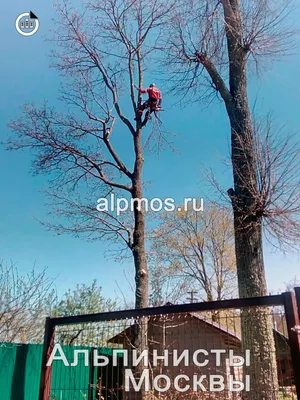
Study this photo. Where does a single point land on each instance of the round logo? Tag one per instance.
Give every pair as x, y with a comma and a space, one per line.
27, 24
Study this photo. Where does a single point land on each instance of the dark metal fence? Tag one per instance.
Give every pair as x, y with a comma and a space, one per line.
105, 346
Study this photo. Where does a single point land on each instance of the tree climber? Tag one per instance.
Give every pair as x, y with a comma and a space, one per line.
154, 101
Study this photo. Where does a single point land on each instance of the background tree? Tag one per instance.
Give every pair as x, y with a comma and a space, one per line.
85, 299
164, 287
82, 300
295, 282
278, 313
211, 45
26, 300
194, 250
101, 52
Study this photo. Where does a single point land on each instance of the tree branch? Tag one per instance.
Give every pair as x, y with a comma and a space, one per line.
216, 78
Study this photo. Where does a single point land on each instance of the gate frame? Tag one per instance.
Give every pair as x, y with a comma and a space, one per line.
289, 300
46, 373
292, 315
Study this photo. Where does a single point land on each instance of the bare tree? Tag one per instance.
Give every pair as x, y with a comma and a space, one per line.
25, 301
193, 249
166, 287
211, 46
278, 197
278, 311
290, 286
102, 53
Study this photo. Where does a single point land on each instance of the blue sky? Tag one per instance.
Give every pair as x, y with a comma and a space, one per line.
203, 138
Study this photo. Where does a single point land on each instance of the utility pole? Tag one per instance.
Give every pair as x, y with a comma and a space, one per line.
192, 298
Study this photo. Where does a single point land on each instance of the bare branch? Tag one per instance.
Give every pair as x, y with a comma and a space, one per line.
197, 249
25, 301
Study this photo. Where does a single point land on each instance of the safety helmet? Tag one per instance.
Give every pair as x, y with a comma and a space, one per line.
151, 85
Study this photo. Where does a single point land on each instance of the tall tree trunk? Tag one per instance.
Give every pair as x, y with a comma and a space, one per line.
140, 261
257, 330
139, 251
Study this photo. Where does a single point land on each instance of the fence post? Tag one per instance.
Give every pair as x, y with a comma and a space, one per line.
91, 374
292, 319
45, 383
297, 291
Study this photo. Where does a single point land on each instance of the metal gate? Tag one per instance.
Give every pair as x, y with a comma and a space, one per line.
113, 352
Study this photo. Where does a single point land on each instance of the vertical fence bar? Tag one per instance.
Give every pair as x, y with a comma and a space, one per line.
297, 291
91, 389
46, 373
292, 319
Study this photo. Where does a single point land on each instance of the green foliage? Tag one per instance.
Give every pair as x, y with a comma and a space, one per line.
283, 396
83, 300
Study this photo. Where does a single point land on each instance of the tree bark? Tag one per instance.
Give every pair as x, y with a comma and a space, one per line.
139, 251
140, 261
257, 330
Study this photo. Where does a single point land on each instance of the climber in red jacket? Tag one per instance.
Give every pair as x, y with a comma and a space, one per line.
154, 100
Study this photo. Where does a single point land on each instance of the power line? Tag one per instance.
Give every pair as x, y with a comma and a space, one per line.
192, 299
